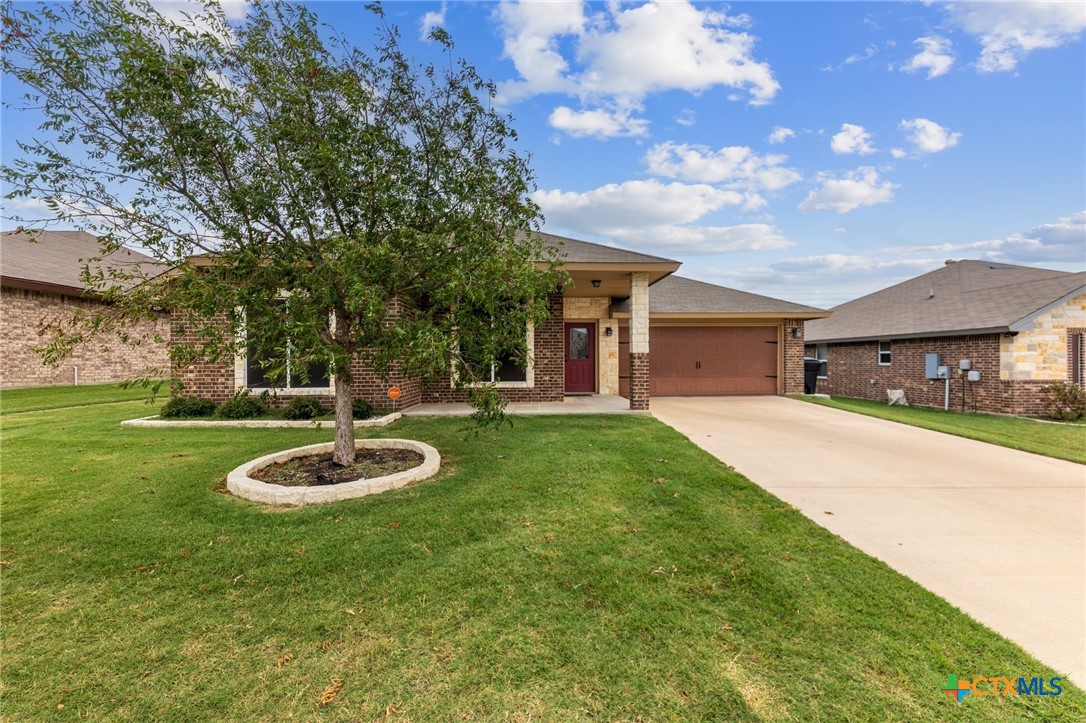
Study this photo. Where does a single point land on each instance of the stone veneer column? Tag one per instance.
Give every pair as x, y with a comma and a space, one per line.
639, 340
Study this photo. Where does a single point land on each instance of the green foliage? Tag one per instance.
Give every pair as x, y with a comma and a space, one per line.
242, 405
1064, 400
361, 409
382, 193
489, 407
303, 408
187, 407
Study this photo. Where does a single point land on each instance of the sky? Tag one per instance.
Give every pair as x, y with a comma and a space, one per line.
808, 151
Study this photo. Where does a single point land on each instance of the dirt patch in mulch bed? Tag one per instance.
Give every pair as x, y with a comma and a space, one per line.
321, 470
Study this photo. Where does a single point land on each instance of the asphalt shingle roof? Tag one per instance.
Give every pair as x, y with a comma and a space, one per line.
585, 252
679, 295
960, 297
57, 258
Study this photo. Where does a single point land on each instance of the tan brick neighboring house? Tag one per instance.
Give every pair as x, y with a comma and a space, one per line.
625, 326
1019, 328
40, 282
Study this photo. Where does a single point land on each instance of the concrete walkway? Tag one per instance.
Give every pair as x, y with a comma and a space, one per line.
1001, 534
587, 404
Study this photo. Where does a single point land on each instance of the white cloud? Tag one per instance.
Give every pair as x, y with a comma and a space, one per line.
928, 136
935, 56
432, 19
620, 54
869, 52
852, 139
1060, 242
735, 166
780, 134
855, 189
898, 153
686, 117
1010, 31
597, 123
655, 215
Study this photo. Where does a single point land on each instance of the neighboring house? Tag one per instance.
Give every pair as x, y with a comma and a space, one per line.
41, 283
624, 326
1019, 328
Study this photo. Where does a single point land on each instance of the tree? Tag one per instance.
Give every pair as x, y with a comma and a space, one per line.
270, 159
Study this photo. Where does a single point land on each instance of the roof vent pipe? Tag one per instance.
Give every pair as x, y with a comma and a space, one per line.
931, 293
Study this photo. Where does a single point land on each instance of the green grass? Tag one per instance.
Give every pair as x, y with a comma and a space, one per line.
568, 568
13, 401
1062, 441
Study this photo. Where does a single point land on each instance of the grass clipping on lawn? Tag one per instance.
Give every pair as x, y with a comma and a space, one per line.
568, 568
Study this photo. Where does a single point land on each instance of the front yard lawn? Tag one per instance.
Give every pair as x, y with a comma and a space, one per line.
13, 401
568, 568
1062, 441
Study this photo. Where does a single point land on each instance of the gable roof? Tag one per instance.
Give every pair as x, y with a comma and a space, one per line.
962, 297
54, 260
680, 296
586, 252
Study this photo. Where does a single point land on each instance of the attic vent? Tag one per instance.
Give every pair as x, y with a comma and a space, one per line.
931, 293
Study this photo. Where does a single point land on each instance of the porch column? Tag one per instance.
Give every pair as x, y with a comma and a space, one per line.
639, 340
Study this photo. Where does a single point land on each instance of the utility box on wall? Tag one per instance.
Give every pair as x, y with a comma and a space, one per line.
931, 366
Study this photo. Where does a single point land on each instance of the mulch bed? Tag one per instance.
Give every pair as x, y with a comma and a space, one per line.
321, 470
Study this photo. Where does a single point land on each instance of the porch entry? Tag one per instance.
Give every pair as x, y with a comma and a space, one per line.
580, 358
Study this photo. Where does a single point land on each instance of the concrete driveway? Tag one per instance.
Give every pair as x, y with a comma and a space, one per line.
1000, 534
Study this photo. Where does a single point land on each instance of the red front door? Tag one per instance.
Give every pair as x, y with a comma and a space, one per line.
580, 358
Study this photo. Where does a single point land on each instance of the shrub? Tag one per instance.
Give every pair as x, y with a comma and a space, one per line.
361, 409
243, 405
186, 407
302, 408
1064, 400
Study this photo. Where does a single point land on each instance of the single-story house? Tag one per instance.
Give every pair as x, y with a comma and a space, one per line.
1017, 328
41, 283
624, 326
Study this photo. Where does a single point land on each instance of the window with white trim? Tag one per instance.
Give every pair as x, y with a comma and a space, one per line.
884, 353
258, 362
822, 353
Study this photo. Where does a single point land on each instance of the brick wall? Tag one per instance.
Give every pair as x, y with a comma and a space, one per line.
792, 358
639, 381
549, 368
21, 313
852, 367
202, 379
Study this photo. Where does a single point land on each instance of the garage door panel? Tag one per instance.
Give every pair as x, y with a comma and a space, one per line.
733, 361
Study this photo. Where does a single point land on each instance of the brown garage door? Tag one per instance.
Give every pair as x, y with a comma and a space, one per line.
712, 360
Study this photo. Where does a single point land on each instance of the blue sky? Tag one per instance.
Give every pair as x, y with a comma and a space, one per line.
810, 151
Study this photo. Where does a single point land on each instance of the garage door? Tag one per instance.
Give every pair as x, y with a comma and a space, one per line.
712, 360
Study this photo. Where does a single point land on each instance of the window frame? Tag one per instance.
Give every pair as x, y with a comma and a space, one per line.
888, 352
822, 354
241, 366
529, 370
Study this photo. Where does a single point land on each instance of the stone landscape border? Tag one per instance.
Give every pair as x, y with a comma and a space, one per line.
241, 484
157, 421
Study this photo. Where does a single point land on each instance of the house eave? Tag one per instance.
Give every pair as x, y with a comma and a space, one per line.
1026, 322
919, 335
774, 316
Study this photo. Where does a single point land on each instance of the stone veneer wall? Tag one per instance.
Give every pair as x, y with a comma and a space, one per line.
599, 311
1041, 353
549, 368
23, 310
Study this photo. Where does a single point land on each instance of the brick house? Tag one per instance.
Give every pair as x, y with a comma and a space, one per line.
40, 282
1018, 328
624, 326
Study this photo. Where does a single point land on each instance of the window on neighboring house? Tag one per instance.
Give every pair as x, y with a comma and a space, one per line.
884, 353
822, 353
259, 362
1077, 357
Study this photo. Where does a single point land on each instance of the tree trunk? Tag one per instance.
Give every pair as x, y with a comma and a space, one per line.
344, 450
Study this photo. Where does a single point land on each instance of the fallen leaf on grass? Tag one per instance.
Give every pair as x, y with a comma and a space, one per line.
146, 568
725, 627
74, 469
8, 549
659, 480
235, 580
351, 612
393, 525
331, 691
5, 563
287, 657
181, 454
184, 553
